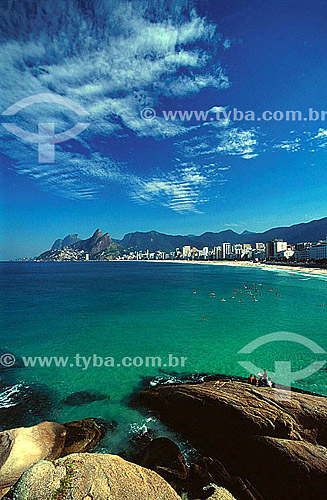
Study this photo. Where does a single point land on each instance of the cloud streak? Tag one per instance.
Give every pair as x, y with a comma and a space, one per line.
113, 58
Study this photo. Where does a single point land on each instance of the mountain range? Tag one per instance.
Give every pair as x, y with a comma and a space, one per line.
103, 244
152, 240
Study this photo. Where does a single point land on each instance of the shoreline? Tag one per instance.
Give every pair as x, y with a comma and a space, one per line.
310, 271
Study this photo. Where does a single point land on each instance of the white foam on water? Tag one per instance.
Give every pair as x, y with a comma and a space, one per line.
6, 397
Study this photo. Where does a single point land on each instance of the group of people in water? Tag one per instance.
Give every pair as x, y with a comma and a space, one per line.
260, 380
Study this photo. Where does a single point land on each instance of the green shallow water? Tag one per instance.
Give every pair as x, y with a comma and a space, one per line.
149, 309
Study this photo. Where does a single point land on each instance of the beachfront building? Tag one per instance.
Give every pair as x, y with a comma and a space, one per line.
279, 246
217, 253
238, 251
205, 252
318, 252
270, 250
186, 252
275, 248
226, 250
259, 255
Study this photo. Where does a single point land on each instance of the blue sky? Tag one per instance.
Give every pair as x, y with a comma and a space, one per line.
124, 173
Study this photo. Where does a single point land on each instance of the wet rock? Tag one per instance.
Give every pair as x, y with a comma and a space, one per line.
83, 398
164, 457
81, 436
212, 414
140, 440
105, 426
271, 447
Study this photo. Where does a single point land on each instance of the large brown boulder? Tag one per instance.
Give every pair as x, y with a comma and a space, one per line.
92, 476
210, 471
276, 445
213, 413
164, 457
21, 448
81, 436
283, 468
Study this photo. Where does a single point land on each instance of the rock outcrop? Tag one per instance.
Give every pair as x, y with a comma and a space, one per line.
21, 448
164, 457
221, 494
92, 476
279, 445
81, 398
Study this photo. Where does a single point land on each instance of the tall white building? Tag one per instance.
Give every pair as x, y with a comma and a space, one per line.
238, 250
280, 246
205, 251
226, 250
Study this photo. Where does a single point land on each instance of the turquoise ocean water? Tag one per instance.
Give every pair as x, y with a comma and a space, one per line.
145, 309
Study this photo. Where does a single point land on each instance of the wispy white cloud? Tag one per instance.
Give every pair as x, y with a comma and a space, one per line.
226, 142
113, 61
113, 58
182, 190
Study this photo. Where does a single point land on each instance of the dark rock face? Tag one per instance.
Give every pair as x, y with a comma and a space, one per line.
213, 413
57, 244
87, 245
210, 471
140, 440
81, 436
286, 468
68, 240
101, 244
164, 457
278, 445
83, 397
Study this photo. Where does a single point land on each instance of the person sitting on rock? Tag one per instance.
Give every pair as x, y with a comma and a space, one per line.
250, 379
255, 381
269, 382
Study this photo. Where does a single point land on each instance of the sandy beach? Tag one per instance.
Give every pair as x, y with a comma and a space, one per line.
309, 271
